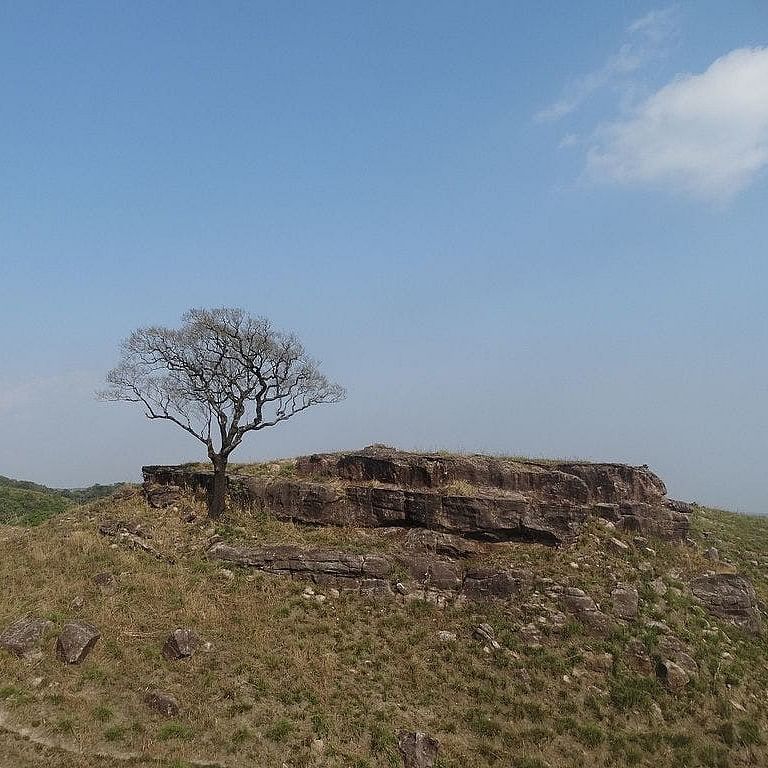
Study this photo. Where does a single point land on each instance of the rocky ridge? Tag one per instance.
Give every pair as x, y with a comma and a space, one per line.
478, 497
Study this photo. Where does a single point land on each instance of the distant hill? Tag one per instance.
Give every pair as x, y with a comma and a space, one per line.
23, 502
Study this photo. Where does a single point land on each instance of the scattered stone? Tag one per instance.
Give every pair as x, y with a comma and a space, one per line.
181, 644
77, 603
226, 574
625, 601
712, 554
162, 702
656, 712
333, 592
418, 750
23, 636
530, 635
659, 587
485, 633
673, 675
658, 625
729, 596
645, 567
76, 641
617, 545
446, 637
131, 535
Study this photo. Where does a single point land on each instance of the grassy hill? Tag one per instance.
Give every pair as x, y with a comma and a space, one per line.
292, 680
26, 503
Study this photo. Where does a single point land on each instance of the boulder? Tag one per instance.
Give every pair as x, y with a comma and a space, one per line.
162, 702
673, 675
76, 641
24, 636
181, 644
417, 749
729, 596
625, 601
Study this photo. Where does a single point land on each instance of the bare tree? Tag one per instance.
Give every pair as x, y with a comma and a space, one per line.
220, 375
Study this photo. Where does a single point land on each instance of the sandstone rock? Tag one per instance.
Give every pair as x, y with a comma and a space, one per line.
501, 499
673, 675
181, 644
659, 587
485, 583
625, 601
437, 543
162, 702
162, 496
76, 641
617, 545
586, 610
24, 636
712, 554
729, 596
679, 506
485, 633
446, 637
417, 749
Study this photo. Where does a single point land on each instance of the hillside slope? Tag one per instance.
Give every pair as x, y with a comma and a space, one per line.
303, 661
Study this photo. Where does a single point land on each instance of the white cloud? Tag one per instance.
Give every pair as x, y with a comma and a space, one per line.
703, 134
647, 38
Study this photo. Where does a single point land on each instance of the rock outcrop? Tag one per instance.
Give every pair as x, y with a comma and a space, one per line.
379, 575
729, 596
478, 497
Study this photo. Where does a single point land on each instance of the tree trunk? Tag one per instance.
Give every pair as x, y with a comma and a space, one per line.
218, 501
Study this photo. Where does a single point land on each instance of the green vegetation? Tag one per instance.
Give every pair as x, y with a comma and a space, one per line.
26, 503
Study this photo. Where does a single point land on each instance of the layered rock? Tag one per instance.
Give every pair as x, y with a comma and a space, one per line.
374, 574
729, 596
480, 497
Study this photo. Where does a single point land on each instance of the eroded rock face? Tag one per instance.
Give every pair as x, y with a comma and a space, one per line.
480, 497
369, 573
24, 636
729, 596
417, 749
76, 641
429, 578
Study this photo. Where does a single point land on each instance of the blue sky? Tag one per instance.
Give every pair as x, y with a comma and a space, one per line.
512, 227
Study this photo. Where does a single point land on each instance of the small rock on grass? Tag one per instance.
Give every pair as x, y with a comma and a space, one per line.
417, 749
162, 702
181, 644
23, 636
76, 641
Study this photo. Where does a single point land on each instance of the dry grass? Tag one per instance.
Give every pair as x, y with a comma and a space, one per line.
285, 671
